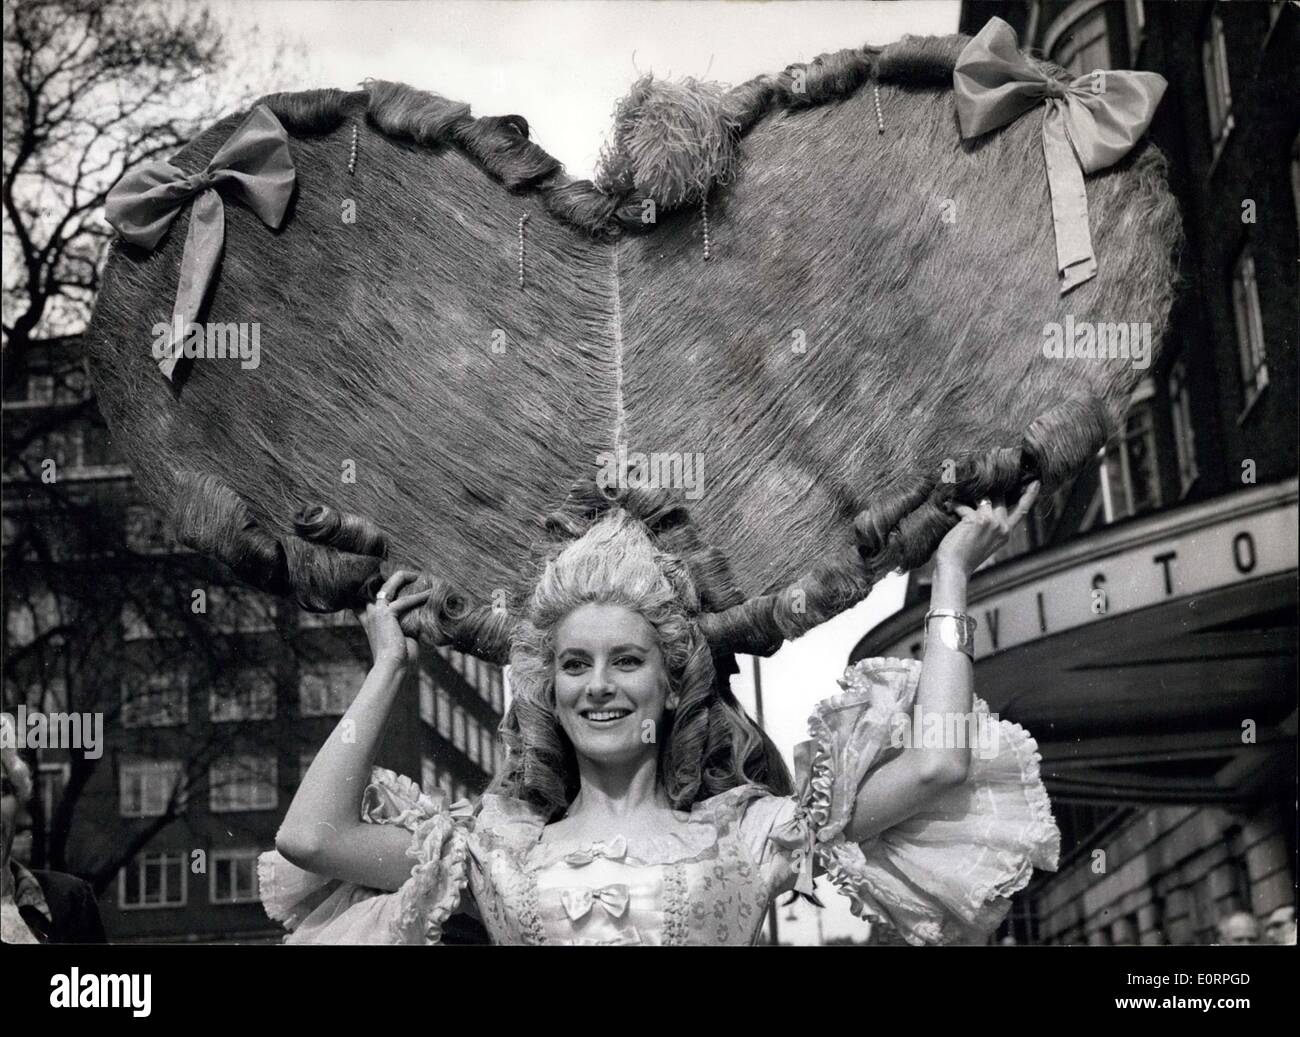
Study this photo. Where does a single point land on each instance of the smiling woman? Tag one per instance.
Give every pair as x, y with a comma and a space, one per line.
638, 803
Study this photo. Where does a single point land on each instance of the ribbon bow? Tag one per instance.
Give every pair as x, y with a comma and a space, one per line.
578, 902
253, 164
1090, 123
615, 850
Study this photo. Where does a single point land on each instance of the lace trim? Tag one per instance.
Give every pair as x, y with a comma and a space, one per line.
433, 892
676, 906
530, 919
817, 802
1042, 836
514, 824
690, 843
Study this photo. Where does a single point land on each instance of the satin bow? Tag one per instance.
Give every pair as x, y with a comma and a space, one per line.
253, 164
578, 902
1089, 123
615, 850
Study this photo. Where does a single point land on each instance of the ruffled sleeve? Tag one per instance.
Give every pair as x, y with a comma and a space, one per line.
945, 874
320, 910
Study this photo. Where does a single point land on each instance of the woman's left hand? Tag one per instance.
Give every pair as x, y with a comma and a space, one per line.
982, 531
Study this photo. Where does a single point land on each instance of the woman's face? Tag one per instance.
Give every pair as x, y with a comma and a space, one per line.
611, 687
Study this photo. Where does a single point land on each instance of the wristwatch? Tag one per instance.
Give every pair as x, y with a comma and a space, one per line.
954, 629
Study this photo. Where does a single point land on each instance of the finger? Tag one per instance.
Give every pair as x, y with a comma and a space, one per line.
407, 601
963, 510
396, 581
1026, 501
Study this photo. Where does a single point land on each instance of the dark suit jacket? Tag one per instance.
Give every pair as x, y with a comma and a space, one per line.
74, 911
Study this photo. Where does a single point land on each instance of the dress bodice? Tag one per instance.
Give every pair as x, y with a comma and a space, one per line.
708, 880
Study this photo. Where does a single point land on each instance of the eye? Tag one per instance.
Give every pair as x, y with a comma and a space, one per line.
573, 665
628, 662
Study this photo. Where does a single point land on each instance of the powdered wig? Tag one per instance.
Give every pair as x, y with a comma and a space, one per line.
15, 769
706, 745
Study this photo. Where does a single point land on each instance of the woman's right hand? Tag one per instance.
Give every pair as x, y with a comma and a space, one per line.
381, 621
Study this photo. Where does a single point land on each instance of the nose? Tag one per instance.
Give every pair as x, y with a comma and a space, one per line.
599, 685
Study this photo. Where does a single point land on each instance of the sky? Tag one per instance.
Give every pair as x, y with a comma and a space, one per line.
563, 65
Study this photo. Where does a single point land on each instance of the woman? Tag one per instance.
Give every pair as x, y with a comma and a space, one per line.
639, 804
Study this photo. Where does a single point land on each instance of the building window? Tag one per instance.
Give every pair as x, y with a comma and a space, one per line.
152, 880
1218, 91
234, 876
304, 762
252, 697
328, 690
1085, 48
496, 682
428, 775
238, 610
471, 739
444, 713
458, 661
1250, 329
145, 788
161, 700
1130, 478
488, 744
428, 698
1180, 406
27, 620
458, 727
242, 783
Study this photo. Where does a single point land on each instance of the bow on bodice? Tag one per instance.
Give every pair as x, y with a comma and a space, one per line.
253, 165
1089, 123
614, 849
579, 902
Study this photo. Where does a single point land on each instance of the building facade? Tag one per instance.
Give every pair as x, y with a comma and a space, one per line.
213, 698
1142, 623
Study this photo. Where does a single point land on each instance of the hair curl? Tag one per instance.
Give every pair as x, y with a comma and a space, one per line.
708, 743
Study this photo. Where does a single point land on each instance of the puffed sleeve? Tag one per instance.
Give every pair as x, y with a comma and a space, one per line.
945, 874
320, 910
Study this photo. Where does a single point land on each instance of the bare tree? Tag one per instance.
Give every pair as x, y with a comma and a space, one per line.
93, 88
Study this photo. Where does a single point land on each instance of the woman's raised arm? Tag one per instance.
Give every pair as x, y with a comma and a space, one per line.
901, 787
322, 830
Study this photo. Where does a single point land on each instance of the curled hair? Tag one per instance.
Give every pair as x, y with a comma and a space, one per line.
708, 744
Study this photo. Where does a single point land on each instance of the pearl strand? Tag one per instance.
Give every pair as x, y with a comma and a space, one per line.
522, 220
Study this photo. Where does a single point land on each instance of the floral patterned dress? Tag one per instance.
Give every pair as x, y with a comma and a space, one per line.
941, 876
